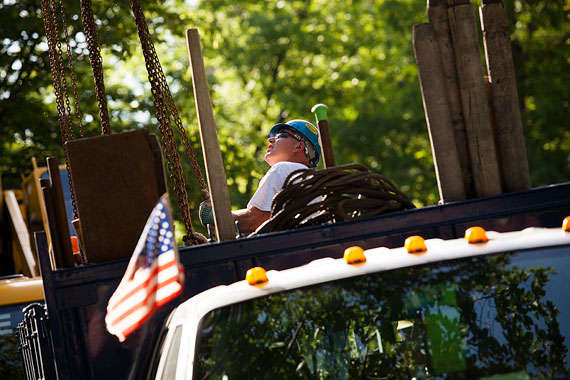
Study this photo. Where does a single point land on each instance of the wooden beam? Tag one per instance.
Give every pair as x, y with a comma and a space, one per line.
60, 213
483, 156
439, 19
21, 231
52, 230
215, 172
438, 118
504, 95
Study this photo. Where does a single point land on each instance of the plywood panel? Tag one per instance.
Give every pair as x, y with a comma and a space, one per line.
117, 181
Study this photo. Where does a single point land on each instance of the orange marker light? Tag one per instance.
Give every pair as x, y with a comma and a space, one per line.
476, 235
256, 276
415, 244
75, 249
74, 244
566, 224
354, 255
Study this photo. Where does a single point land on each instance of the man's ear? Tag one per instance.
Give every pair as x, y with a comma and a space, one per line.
300, 147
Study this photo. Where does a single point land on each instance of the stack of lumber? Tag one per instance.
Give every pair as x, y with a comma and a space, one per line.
473, 120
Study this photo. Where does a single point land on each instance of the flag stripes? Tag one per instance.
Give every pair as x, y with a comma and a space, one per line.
153, 277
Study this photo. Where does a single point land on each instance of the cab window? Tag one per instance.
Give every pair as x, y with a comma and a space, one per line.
499, 315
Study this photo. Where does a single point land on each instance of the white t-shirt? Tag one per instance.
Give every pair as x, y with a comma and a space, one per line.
272, 183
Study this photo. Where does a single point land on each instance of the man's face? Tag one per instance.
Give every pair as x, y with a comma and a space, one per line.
281, 147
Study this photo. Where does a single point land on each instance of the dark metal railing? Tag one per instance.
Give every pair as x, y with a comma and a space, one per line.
35, 344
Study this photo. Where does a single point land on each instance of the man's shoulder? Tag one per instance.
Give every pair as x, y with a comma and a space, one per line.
287, 166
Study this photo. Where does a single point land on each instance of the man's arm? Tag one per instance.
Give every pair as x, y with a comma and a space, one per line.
250, 218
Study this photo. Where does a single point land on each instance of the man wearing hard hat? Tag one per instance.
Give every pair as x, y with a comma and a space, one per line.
293, 145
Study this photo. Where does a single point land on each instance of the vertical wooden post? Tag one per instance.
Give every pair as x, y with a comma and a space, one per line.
438, 118
439, 19
489, 90
480, 140
320, 111
55, 251
21, 230
215, 173
60, 213
504, 95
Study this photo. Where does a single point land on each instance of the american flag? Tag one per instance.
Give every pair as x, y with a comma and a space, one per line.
153, 276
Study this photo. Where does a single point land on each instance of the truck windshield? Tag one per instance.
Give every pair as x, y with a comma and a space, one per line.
501, 316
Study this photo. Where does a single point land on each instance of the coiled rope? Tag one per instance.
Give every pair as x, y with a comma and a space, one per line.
348, 192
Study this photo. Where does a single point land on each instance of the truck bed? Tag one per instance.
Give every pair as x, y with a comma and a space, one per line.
77, 298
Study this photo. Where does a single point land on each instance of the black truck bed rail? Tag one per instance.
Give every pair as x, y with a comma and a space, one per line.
77, 298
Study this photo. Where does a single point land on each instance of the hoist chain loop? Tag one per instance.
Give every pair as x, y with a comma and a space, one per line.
96, 64
165, 108
163, 101
159, 80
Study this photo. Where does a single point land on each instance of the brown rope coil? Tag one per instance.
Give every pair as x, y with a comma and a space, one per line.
348, 192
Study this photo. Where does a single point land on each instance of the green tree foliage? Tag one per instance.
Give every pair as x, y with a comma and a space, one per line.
541, 47
271, 61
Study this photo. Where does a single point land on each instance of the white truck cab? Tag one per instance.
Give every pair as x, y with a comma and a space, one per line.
494, 307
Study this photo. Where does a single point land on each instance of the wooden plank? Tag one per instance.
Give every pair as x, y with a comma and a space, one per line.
489, 92
21, 231
60, 213
320, 111
484, 163
215, 172
505, 100
439, 19
52, 229
438, 118
118, 179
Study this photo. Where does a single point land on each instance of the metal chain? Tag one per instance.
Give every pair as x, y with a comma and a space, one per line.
59, 83
164, 109
182, 133
96, 64
49, 20
162, 83
71, 73
162, 97
67, 114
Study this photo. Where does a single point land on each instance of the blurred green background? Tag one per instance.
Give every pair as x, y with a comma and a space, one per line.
269, 61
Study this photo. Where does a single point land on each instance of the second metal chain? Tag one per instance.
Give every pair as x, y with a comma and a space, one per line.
165, 108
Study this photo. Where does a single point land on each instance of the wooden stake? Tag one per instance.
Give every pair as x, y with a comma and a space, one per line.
60, 213
480, 140
320, 111
56, 261
438, 118
215, 173
21, 229
439, 19
489, 92
510, 136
